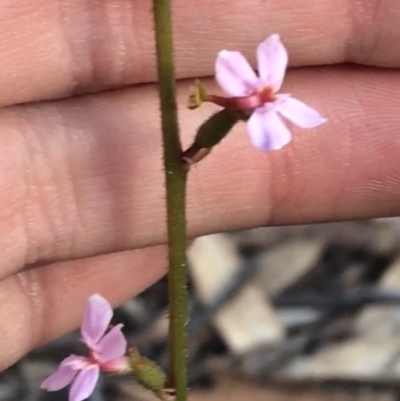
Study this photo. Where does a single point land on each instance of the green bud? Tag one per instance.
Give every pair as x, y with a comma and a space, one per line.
147, 373
213, 130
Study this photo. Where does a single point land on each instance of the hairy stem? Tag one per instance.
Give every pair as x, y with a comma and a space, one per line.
175, 176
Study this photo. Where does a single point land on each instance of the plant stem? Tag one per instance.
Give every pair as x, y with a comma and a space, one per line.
175, 176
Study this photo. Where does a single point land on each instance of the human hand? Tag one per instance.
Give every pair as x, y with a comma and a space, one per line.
81, 178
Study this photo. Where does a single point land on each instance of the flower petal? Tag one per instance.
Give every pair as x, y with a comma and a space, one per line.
234, 74
267, 131
64, 375
113, 345
96, 318
300, 114
115, 365
84, 383
272, 59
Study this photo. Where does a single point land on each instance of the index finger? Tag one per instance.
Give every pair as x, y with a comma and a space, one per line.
54, 49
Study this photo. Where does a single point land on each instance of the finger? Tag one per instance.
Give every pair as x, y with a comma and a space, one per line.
84, 176
55, 49
42, 304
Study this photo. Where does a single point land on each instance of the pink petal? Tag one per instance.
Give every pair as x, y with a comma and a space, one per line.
84, 383
234, 74
267, 131
65, 373
272, 59
115, 365
96, 318
300, 114
112, 346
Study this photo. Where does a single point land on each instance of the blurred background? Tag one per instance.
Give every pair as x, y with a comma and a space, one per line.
280, 313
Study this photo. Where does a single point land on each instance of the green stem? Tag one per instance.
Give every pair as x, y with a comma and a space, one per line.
175, 176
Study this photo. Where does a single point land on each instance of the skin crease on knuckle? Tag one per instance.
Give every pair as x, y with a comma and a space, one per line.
89, 191
84, 46
95, 193
374, 28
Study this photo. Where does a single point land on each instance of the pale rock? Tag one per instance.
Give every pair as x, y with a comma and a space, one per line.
246, 322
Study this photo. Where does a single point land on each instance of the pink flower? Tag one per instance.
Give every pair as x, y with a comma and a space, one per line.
259, 94
106, 353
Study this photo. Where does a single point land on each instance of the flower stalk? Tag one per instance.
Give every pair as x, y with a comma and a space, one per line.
175, 178
253, 99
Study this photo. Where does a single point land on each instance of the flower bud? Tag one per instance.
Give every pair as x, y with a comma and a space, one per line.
147, 373
210, 133
213, 130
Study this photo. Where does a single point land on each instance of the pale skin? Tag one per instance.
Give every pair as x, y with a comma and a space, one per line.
81, 178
